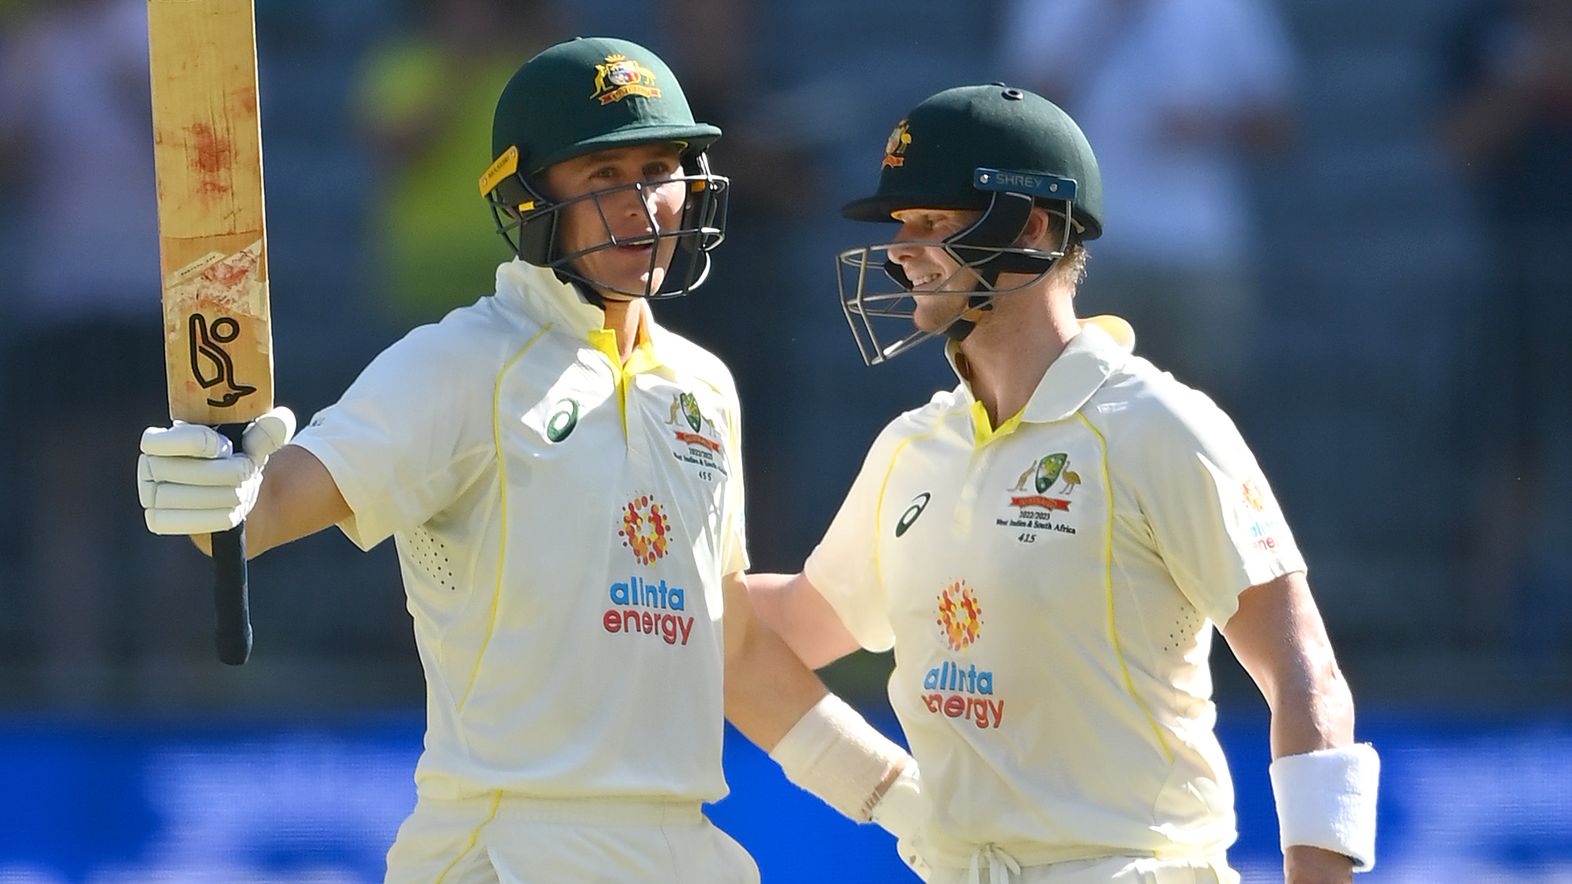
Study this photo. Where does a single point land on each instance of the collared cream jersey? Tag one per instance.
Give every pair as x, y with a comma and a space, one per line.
563, 524
1050, 589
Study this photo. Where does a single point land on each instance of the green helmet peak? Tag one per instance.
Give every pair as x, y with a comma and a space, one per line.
933, 157
589, 94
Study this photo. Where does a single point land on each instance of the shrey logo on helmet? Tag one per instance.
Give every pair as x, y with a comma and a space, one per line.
620, 77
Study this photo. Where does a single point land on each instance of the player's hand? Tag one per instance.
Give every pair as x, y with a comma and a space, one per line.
899, 812
191, 481
1312, 865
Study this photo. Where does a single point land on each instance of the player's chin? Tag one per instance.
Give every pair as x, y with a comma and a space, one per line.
935, 313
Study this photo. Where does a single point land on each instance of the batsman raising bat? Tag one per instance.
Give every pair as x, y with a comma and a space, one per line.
207, 150
563, 479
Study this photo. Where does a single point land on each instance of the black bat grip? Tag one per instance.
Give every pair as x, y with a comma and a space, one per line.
233, 635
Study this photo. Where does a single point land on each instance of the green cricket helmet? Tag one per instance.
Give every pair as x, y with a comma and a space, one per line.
592, 94
993, 149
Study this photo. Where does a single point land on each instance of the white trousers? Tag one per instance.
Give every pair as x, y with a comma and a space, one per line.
499, 839
995, 868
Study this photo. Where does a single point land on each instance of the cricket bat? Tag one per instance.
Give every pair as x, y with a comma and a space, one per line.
207, 151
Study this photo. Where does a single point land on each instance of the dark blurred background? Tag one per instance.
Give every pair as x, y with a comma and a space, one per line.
1350, 221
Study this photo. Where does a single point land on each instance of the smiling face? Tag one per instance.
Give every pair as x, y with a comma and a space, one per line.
930, 267
615, 203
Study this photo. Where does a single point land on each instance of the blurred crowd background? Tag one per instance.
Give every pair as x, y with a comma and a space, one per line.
1350, 221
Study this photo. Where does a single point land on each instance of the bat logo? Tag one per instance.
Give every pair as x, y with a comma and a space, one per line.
205, 348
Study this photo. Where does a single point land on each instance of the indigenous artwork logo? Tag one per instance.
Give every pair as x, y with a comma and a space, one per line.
1253, 498
620, 77
645, 529
698, 435
1043, 488
895, 147
960, 616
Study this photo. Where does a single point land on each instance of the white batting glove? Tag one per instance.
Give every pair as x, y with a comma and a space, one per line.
899, 812
191, 481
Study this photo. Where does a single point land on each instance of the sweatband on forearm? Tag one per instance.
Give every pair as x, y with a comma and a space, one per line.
1327, 799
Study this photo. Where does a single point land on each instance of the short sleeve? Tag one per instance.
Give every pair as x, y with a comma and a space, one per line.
396, 443
844, 567
734, 542
1212, 514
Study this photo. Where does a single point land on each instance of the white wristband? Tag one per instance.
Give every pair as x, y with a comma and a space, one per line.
835, 754
1327, 799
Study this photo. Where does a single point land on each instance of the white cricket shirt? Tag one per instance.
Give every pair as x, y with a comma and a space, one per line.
563, 523
1050, 588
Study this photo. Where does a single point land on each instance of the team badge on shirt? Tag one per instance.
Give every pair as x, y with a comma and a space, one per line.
950, 689
1044, 488
700, 441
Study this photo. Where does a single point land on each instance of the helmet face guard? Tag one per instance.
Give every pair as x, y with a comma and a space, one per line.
880, 307
530, 222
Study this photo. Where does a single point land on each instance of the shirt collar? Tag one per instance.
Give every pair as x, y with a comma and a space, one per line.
1087, 361
544, 297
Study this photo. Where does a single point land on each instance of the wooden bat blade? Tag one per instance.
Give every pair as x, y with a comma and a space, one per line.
207, 151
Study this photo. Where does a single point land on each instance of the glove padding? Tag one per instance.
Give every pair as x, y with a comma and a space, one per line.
899, 812
191, 481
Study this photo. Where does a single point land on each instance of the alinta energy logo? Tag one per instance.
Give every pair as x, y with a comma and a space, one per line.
1265, 522
949, 689
647, 606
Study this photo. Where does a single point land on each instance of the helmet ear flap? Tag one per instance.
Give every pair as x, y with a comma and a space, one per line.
526, 219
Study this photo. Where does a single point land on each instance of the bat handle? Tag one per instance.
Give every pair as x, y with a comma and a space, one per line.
233, 635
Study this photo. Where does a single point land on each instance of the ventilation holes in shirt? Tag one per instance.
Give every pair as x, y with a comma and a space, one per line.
431, 555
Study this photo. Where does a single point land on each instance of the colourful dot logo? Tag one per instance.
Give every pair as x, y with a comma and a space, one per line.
960, 616
1253, 497
645, 529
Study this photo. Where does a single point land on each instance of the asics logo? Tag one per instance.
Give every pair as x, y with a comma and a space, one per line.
563, 420
919, 503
